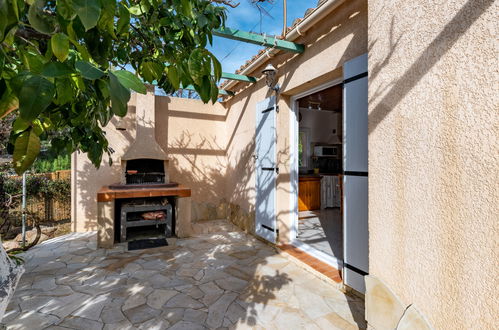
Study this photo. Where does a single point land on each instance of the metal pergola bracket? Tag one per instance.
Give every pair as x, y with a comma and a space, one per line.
239, 77
258, 39
220, 91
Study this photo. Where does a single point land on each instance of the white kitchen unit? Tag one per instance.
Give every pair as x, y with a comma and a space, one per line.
330, 191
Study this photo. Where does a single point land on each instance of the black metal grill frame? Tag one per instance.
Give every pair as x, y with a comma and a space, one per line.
141, 178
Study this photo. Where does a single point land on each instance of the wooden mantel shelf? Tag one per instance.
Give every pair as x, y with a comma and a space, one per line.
105, 194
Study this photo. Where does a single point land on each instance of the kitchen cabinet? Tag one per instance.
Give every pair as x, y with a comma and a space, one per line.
309, 193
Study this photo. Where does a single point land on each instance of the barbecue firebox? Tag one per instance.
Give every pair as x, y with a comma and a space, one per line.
140, 171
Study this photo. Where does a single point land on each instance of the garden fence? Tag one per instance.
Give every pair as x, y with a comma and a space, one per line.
47, 208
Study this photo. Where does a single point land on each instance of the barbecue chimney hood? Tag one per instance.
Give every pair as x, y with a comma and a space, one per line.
144, 147
145, 144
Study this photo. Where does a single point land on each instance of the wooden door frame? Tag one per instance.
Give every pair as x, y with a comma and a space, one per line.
294, 176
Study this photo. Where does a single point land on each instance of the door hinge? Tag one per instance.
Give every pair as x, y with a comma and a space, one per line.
276, 169
274, 107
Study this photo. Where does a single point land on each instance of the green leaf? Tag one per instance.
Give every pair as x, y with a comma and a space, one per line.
56, 69
60, 46
139, 9
19, 125
106, 21
204, 90
33, 62
95, 154
119, 96
173, 77
88, 11
37, 127
72, 34
15, 9
78, 82
214, 93
26, 148
202, 21
85, 55
199, 65
103, 88
187, 8
151, 71
131, 81
17, 82
65, 9
38, 19
9, 37
35, 96
217, 67
88, 71
64, 91
9, 15
124, 20
8, 102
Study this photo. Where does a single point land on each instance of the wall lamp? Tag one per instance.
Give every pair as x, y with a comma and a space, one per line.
270, 77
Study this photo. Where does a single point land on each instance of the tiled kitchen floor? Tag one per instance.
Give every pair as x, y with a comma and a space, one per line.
322, 230
214, 280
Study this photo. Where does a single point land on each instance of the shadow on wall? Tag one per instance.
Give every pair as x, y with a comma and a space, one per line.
208, 176
189, 167
395, 91
89, 180
87, 200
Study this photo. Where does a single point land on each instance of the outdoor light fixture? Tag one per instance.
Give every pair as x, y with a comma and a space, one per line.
270, 77
120, 125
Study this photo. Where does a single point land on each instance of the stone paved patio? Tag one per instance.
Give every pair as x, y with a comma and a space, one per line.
214, 280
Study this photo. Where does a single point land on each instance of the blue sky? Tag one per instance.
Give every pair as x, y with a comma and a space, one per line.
232, 54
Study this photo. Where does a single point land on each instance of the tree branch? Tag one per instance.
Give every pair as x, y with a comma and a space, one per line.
28, 33
227, 3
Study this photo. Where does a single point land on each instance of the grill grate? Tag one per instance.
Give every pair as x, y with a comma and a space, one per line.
141, 178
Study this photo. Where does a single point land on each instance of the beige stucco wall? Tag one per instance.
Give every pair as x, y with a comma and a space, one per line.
340, 36
192, 134
434, 157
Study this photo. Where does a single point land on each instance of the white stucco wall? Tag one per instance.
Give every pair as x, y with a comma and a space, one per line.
434, 157
191, 133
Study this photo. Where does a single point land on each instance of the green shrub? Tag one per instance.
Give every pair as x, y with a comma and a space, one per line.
39, 187
48, 163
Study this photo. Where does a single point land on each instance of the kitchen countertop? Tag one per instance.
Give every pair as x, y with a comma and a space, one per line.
320, 175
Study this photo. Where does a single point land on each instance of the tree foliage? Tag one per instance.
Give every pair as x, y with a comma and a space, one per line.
63, 65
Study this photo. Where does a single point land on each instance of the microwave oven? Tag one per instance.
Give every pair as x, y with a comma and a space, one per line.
326, 151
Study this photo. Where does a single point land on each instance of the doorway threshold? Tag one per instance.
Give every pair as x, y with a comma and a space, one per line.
319, 261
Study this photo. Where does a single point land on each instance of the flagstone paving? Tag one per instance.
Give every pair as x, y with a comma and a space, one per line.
214, 280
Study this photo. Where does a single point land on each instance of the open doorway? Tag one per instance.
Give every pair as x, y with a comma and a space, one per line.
318, 229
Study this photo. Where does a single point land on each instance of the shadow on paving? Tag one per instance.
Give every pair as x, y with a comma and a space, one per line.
216, 280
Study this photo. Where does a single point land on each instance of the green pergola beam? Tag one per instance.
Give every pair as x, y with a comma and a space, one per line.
258, 39
239, 77
220, 91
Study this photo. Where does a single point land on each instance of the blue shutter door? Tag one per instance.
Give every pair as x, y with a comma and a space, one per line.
355, 184
266, 172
